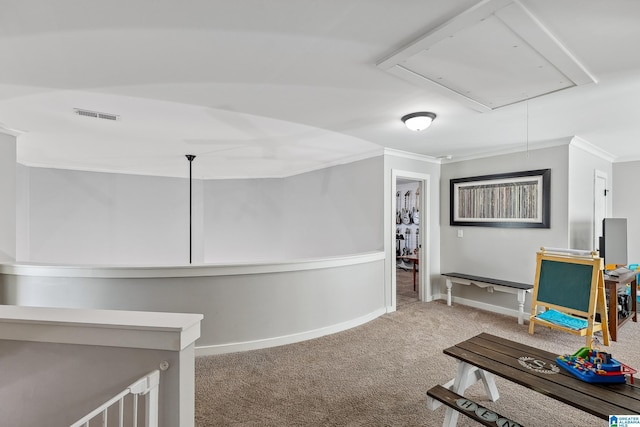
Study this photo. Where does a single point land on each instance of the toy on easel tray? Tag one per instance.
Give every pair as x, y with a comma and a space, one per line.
595, 366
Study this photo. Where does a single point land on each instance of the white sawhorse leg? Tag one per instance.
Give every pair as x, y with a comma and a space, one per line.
467, 376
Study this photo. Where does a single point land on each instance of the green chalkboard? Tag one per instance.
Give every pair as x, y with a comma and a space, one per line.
565, 284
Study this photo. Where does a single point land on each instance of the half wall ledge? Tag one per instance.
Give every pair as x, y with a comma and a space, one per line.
245, 305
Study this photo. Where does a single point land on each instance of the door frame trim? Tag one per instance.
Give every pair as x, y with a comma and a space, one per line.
424, 282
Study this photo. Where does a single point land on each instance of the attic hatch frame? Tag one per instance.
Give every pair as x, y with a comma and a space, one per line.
412, 62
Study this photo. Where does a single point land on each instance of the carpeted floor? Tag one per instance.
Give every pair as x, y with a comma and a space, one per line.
404, 288
377, 374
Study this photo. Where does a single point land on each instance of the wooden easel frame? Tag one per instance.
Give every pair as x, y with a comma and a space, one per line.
597, 299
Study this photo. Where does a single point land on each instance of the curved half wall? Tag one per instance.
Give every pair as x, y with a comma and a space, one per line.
245, 306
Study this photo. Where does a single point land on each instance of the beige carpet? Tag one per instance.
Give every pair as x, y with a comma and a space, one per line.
377, 374
404, 288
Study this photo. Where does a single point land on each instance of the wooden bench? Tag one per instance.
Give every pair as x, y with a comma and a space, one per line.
520, 289
486, 356
469, 408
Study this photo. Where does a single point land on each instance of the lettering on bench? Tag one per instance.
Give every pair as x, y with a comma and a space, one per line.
503, 422
484, 413
539, 366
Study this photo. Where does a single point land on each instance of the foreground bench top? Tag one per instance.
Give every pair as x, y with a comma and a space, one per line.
485, 355
491, 281
520, 289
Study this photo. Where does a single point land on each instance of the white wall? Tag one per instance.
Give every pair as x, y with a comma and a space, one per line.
503, 253
244, 305
7, 197
88, 217
245, 220
626, 204
329, 212
335, 211
582, 167
75, 217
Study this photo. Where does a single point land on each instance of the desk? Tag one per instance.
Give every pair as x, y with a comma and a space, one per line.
414, 261
612, 284
485, 355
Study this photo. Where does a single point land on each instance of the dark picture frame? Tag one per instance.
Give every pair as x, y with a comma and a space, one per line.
515, 200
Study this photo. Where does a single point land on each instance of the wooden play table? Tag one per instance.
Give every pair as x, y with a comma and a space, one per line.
483, 356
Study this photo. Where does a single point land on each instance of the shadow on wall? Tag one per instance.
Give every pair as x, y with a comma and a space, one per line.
582, 236
5, 258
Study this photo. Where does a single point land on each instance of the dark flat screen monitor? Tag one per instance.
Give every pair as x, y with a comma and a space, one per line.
613, 243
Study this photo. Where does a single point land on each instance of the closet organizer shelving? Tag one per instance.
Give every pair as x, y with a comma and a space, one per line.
408, 218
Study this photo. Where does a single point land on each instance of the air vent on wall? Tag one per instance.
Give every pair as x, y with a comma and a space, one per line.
96, 115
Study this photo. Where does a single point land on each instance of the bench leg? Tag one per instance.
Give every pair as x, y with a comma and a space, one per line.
489, 382
449, 285
521, 295
460, 385
466, 376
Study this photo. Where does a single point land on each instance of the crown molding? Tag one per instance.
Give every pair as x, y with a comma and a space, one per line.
342, 161
514, 149
411, 156
584, 145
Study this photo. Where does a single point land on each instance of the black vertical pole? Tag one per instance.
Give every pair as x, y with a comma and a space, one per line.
190, 157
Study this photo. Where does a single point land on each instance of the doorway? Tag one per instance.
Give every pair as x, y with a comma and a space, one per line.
408, 245
408, 260
599, 205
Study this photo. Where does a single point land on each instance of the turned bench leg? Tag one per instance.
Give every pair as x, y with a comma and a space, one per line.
521, 295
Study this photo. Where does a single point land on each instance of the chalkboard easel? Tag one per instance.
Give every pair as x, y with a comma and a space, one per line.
571, 282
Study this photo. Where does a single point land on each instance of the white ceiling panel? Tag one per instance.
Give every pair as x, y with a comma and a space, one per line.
492, 55
271, 89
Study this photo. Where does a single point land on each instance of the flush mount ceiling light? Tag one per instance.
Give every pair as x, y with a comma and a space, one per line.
418, 121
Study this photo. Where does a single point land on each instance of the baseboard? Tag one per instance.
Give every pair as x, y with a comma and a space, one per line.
482, 306
317, 333
287, 339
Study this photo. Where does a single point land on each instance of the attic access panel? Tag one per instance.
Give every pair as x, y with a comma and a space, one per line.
492, 55
500, 70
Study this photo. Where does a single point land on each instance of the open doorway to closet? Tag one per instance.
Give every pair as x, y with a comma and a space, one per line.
407, 233
410, 234
599, 206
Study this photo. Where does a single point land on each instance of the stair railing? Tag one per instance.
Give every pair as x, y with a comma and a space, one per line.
147, 385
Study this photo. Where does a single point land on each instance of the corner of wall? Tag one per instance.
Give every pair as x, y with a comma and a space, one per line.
8, 195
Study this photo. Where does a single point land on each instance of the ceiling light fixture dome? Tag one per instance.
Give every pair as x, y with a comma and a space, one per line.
418, 121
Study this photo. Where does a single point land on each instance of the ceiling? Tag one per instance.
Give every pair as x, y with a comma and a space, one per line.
270, 89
